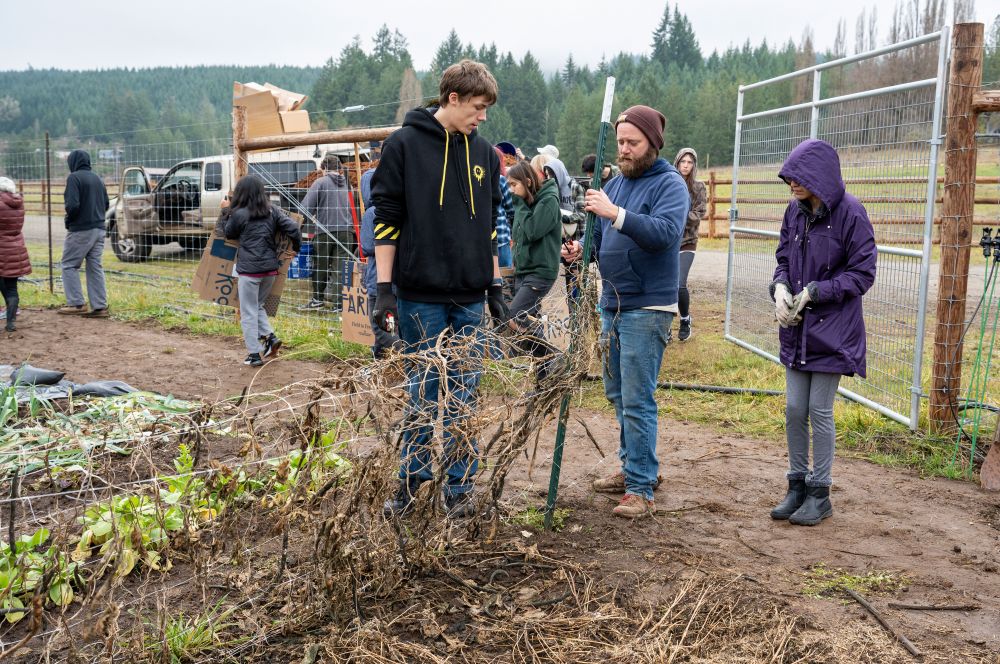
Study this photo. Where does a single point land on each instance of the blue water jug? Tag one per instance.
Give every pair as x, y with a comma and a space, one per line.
301, 266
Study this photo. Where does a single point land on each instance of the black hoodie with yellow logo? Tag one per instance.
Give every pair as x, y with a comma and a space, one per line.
436, 197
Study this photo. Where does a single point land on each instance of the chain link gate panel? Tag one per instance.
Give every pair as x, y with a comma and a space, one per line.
885, 122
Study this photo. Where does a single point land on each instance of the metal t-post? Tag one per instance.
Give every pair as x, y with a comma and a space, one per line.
574, 321
48, 197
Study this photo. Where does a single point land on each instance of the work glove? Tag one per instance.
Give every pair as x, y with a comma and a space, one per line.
494, 300
783, 304
385, 308
802, 300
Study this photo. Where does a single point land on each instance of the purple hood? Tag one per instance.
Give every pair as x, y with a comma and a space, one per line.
816, 166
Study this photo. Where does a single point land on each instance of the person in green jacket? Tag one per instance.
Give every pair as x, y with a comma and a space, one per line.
537, 235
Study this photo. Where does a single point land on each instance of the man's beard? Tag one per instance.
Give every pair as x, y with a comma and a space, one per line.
633, 168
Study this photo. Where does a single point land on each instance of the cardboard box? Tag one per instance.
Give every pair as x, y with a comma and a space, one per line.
271, 110
293, 122
215, 279
355, 324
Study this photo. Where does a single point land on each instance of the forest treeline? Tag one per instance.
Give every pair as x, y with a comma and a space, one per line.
374, 85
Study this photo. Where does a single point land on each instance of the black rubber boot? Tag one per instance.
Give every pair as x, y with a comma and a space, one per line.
816, 507
793, 500
12, 303
401, 504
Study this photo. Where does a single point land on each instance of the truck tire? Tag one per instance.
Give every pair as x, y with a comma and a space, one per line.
129, 249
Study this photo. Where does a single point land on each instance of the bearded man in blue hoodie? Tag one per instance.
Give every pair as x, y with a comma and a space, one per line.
436, 192
641, 216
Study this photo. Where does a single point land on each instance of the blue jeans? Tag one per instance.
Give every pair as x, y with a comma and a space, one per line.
504, 255
420, 323
633, 343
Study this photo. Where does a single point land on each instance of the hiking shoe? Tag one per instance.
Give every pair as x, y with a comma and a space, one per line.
401, 504
684, 333
610, 484
10, 327
459, 505
616, 483
633, 506
97, 313
271, 346
253, 359
315, 304
70, 310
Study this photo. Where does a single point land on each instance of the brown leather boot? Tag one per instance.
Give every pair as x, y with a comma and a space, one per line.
633, 506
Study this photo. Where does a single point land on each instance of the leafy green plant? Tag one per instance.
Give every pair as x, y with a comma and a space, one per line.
186, 637
23, 567
535, 518
822, 581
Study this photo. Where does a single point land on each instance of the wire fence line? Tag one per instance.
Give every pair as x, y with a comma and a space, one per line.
886, 135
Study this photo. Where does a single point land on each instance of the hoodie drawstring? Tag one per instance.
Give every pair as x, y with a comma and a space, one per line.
444, 169
468, 172
468, 169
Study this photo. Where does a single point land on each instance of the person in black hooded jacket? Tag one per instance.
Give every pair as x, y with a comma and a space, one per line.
436, 193
256, 223
86, 201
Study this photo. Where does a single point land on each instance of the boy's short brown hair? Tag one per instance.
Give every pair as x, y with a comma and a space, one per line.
468, 78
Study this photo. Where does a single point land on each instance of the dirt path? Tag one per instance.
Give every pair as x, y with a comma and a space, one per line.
940, 537
143, 355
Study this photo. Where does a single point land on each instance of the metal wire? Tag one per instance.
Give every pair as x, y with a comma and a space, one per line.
885, 136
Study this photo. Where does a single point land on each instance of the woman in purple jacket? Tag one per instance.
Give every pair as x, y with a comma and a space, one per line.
826, 254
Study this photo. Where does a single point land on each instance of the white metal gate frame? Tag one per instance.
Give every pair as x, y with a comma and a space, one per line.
924, 254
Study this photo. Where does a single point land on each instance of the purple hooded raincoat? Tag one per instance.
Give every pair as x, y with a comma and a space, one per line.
837, 251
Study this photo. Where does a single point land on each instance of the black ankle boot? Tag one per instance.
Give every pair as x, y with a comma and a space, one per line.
816, 507
793, 500
401, 504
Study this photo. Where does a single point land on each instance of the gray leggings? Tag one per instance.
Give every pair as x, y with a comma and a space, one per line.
809, 401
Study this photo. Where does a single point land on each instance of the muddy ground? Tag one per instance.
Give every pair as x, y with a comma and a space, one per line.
940, 537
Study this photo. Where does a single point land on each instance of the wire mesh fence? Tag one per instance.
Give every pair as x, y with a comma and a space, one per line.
886, 135
165, 201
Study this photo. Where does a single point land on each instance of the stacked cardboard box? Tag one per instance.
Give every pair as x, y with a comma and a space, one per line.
271, 110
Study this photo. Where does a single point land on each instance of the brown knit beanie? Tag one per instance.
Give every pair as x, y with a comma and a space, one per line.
649, 121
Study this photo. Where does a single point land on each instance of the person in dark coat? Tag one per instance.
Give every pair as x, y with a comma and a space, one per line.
826, 254
328, 201
383, 340
14, 260
256, 224
686, 163
86, 201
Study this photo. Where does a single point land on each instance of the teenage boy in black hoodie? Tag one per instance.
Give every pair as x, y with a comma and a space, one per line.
436, 193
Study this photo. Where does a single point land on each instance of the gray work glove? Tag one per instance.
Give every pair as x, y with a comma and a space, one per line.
783, 304
806, 296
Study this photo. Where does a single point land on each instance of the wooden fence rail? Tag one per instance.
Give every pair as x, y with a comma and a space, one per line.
36, 198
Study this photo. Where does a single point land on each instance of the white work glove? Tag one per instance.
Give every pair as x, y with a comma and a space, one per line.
801, 301
783, 305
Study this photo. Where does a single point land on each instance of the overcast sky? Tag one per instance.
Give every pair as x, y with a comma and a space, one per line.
111, 33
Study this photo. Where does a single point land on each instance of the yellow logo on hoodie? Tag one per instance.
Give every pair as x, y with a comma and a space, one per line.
479, 173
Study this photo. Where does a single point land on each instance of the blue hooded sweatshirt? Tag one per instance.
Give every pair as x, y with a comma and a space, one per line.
640, 263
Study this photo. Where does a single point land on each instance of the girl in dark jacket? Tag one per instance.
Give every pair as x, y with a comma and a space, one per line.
686, 163
536, 233
14, 261
256, 224
826, 256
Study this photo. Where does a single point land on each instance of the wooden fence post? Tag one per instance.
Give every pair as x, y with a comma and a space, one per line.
956, 222
239, 135
711, 205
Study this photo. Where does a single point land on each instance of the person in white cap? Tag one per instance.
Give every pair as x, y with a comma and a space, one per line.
550, 151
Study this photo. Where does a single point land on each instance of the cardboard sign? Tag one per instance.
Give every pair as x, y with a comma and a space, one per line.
215, 279
554, 313
355, 324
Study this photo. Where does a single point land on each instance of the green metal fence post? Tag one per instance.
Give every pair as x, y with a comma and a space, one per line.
574, 322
